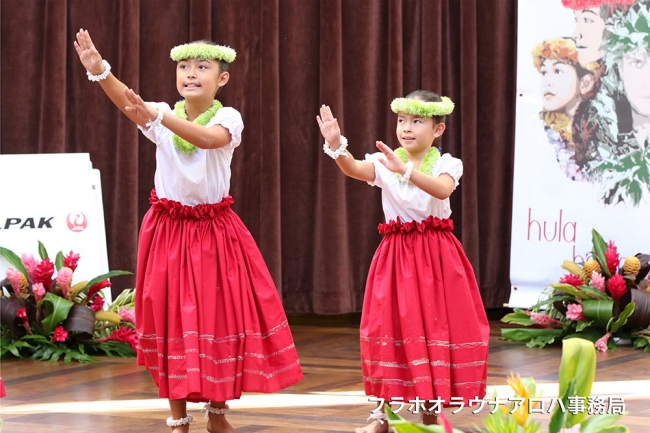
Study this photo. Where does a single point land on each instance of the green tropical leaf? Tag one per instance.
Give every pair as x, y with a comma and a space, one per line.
42, 251
551, 300
576, 375
560, 418
541, 341
594, 293
56, 311
58, 262
601, 423
573, 291
13, 260
581, 326
519, 317
105, 276
598, 251
639, 343
598, 311
112, 349
527, 334
622, 318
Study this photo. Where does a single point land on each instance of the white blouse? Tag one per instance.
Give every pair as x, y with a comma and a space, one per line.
201, 177
407, 201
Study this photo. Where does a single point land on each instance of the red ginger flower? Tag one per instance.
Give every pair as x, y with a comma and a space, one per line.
70, 261
571, 279
97, 304
124, 334
43, 274
63, 280
60, 335
574, 312
601, 344
611, 257
97, 287
617, 286
543, 319
30, 263
127, 315
22, 315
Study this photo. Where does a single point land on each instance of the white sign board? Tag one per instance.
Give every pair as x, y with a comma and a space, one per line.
555, 207
55, 199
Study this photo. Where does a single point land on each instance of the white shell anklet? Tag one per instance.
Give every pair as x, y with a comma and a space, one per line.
171, 422
377, 416
208, 409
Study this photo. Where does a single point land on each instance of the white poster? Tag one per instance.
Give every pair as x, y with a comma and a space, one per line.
582, 157
55, 199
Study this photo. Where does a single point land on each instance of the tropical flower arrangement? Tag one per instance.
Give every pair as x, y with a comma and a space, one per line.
576, 376
599, 300
46, 317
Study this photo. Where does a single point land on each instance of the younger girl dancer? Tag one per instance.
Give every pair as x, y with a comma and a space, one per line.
209, 318
424, 332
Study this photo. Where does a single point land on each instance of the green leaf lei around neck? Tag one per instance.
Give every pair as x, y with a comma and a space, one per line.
427, 162
202, 119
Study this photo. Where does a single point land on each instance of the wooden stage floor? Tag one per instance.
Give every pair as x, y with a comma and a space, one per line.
115, 395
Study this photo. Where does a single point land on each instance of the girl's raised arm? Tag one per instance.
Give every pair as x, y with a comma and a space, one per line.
329, 128
114, 88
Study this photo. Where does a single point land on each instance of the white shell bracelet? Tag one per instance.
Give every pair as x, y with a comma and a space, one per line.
208, 409
171, 422
157, 121
377, 416
338, 152
103, 75
407, 174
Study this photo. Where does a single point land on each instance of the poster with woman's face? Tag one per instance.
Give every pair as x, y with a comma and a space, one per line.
582, 145
595, 88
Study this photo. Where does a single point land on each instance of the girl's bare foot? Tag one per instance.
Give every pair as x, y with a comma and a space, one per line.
373, 427
181, 429
219, 424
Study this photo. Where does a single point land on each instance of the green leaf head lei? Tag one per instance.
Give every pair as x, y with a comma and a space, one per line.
417, 107
202, 50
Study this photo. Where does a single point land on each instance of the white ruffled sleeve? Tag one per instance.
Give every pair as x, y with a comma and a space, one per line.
449, 165
153, 133
230, 119
373, 158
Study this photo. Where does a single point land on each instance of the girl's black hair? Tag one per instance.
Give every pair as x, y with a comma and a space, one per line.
223, 66
427, 96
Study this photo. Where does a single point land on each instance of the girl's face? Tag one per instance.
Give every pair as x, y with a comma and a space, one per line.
416, 134
588, 35
199, 78
635, 74
560, 86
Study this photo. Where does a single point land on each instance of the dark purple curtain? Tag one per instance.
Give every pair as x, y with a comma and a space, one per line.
315, 228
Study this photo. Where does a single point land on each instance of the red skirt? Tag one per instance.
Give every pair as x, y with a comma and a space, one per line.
424, 332
209, 319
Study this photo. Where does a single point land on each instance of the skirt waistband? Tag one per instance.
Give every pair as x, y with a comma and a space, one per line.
431, 223
178, 210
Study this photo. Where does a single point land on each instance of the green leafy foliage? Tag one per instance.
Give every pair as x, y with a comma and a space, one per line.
60, 324
586, 310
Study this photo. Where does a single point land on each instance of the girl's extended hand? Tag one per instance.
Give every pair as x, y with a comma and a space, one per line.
392, 161
138, 107
88, 54
329, 126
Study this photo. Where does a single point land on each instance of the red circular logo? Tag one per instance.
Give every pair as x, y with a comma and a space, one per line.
77, 222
